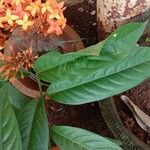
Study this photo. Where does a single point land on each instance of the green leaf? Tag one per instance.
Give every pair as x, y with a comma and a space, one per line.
16, 98
50, 61
118, 142
122, 40
1, 83
115, 47
10, 138
33, 126
106, 81
70, 138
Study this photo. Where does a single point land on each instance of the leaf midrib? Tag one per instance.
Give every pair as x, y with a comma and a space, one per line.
54, 66
137, 64
32, 125
69, 139
1, 140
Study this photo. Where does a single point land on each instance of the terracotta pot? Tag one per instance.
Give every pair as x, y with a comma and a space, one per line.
20, 41
55, 148
112, 13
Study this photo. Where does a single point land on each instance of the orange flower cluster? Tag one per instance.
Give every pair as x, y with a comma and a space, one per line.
25, 13
11, 65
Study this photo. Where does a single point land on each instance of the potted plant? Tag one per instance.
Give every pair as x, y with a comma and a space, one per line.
24, 123
74, 78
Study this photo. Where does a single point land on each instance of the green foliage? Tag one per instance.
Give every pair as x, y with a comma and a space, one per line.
94, 73
106, 81
91, 78
16, 98
10, 138
33, 126
70, 138
46, 65
28, 128
122, 40
53, 68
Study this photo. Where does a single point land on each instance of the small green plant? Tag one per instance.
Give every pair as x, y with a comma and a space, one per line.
92, 74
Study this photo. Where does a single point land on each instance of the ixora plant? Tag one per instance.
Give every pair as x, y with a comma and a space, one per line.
91, 74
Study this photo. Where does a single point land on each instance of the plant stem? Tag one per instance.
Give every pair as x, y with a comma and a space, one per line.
40, 86
37, 79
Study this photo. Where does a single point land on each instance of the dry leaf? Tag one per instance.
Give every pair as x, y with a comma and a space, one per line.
141, 117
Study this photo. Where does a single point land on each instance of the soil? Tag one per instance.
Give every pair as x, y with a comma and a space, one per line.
86, 116
140, 96
82, 18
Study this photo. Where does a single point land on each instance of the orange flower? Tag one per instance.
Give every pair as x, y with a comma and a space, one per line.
46, 7
10, 18
54, 15
25, 22
1, 22
63, 21
59, 8
25, 12
34, 7
17, 2
1, 4
19, 11
54, 27
11, 65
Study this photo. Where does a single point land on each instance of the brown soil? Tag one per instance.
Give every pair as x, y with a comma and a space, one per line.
140, 96
82, 18
86, 116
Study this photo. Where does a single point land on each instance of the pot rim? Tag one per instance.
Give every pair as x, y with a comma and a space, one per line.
34, 93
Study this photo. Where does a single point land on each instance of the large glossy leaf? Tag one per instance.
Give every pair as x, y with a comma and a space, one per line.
53, 59
106, 81
33, 126
121, 41
115, 47
16, 98
70, 138
10, 138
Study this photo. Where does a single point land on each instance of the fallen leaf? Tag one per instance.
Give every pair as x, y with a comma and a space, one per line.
141, 117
